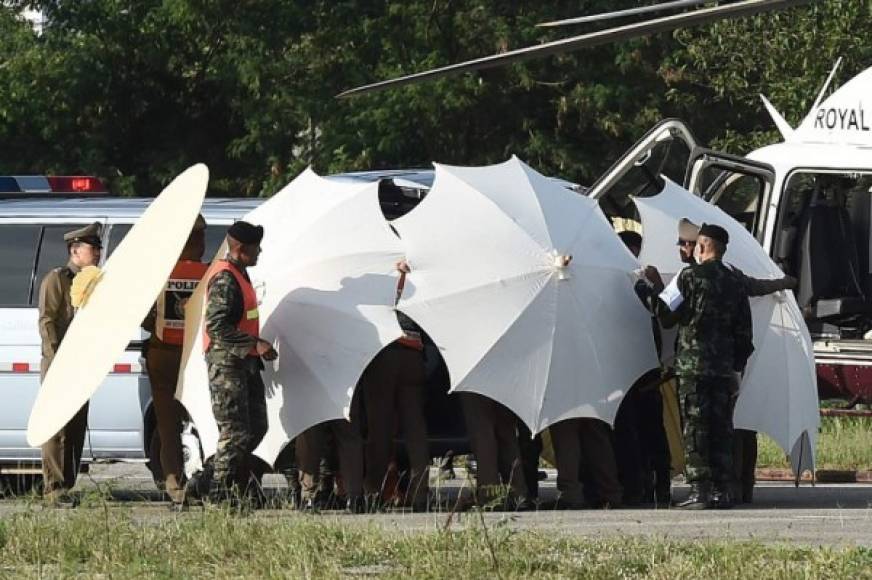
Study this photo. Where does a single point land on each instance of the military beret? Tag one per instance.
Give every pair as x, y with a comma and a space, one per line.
245, 233
715, 232
88, 234
687, 230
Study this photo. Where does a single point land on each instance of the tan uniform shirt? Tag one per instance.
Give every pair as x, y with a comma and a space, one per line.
55, 311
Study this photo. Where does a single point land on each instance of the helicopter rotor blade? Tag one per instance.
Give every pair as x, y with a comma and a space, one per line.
674, 5
635, 30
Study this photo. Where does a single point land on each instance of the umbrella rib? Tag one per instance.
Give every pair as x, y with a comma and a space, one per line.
295, 268
457, 381
543, 272
541, 401
581, 227
490, 349
506, 217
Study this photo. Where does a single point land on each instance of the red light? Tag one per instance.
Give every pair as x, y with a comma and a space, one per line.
80, 184
119, 368
20, 367
76, 184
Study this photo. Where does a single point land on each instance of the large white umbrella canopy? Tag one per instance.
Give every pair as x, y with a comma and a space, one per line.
130, 281
778, 394
327, 284
548, 342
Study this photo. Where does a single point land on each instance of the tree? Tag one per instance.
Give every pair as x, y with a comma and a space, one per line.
136, 91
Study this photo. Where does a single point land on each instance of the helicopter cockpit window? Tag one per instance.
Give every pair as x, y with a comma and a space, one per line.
739, 195
822, 238
664, 151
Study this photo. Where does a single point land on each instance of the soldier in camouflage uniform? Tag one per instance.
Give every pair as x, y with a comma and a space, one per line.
709, 302
744, 441
234, 354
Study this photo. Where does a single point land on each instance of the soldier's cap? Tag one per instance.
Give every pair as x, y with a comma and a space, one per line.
715, 232
199, 223
245, 233
687, 230
89, 235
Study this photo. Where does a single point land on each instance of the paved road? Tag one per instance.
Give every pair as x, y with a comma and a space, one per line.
822, 515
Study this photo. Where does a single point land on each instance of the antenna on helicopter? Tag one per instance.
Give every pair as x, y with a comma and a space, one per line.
673, 5
827, 84
635, 30
783, 126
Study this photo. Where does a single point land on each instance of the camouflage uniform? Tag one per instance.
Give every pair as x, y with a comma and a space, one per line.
238, 399
714, 342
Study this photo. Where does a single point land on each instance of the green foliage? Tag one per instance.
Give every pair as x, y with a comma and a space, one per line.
844, 443
216, 544
136, 91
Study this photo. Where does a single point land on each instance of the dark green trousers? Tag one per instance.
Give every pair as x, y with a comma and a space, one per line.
706, 409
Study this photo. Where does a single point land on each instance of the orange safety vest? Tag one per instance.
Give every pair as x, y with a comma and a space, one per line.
169, 325
250, 321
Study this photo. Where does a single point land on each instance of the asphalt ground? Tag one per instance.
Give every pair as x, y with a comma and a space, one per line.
825, 514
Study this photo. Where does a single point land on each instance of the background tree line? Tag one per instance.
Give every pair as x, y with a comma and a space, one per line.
135, 90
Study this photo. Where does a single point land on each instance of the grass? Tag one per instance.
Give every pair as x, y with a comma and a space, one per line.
89, 542
843, 443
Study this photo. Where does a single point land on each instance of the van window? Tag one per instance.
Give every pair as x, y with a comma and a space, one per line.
52, 253
214, 237
18, 246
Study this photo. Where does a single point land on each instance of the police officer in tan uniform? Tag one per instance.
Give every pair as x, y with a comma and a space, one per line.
163, 355
587, 473
62, 453
311, 448
392, 387
493, 437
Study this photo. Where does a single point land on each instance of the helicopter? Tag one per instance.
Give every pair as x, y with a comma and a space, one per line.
806, 200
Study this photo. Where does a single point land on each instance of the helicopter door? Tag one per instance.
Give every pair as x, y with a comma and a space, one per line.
664, 150
739, 186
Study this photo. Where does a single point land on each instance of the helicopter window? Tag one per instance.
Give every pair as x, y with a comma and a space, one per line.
667, 158
822, 238
738, 194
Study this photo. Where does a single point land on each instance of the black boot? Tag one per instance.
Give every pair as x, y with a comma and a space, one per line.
663, 494
356, 504
721, 498
698, 499
198, 486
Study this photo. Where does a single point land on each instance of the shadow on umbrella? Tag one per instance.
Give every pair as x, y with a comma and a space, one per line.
305, 324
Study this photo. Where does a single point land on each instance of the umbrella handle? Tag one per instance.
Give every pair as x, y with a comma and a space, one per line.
401, 284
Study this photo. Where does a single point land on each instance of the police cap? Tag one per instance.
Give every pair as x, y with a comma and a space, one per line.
687, 230
715, 232
245, 233
89, 235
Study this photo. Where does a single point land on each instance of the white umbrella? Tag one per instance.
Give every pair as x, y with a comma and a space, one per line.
327, 282
130, 281
550, 343
779, 390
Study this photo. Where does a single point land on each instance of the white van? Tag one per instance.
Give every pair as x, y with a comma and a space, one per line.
121, 423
